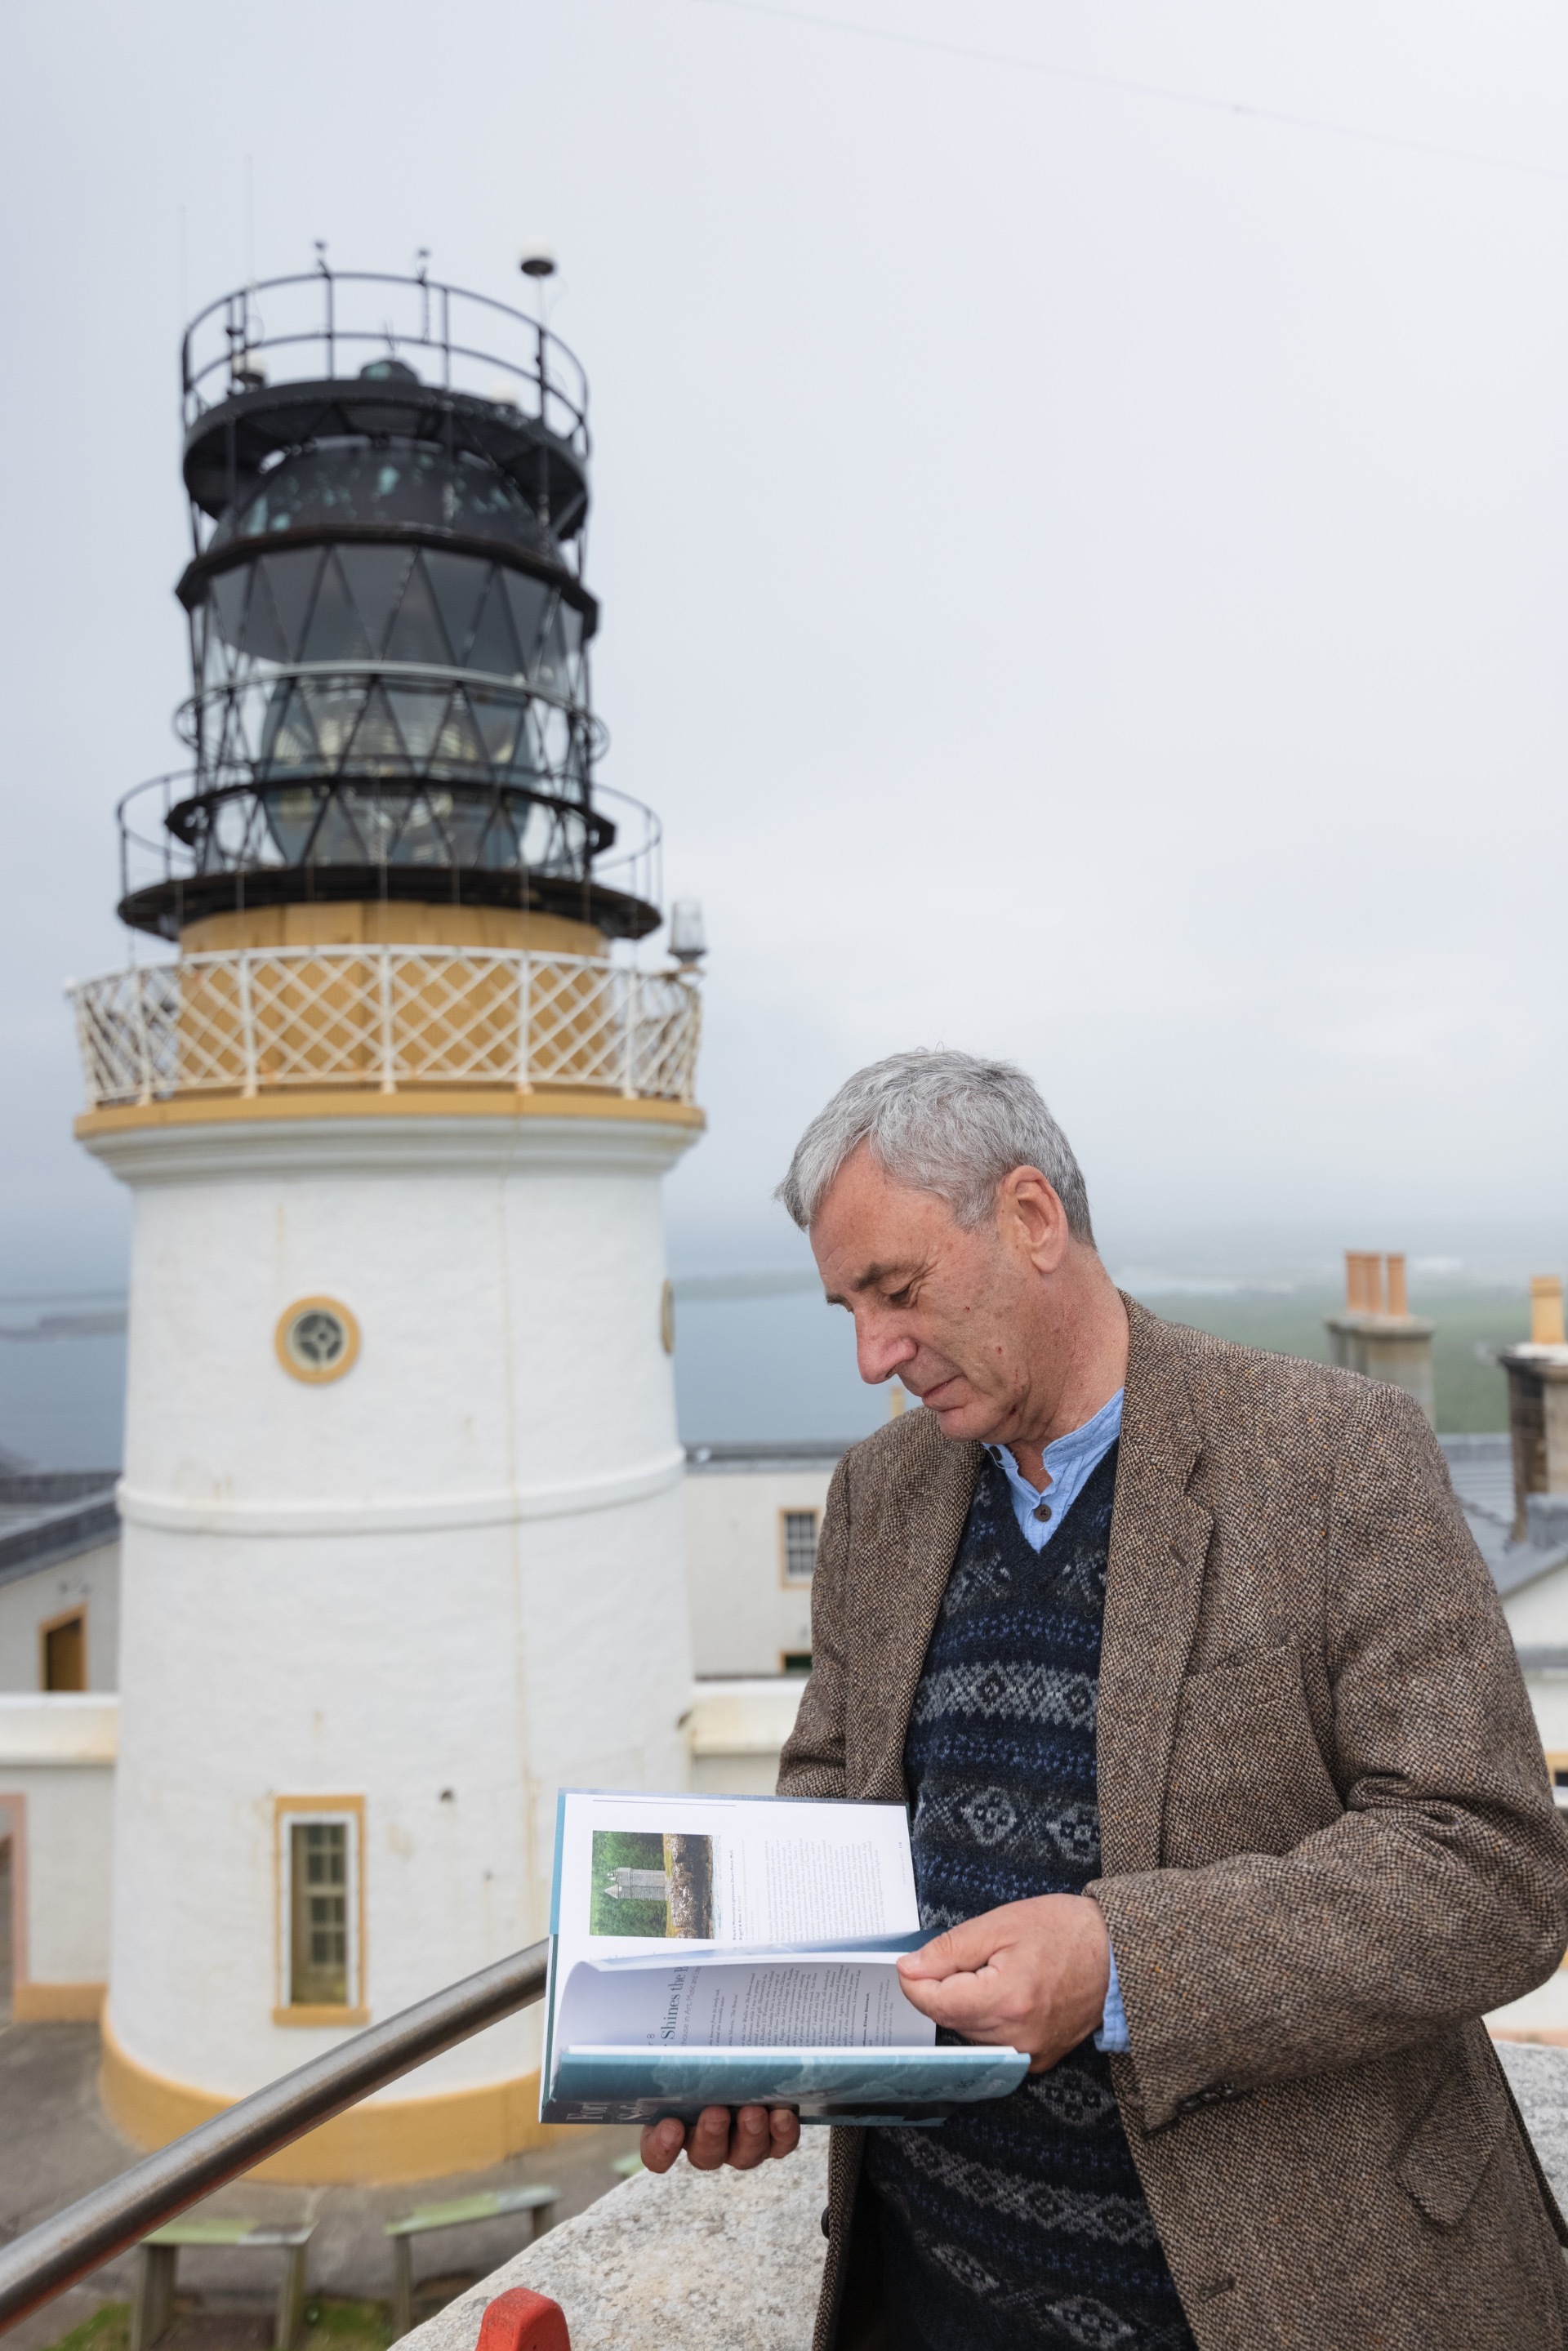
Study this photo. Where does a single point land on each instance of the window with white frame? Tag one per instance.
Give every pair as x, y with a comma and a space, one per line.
320, 1858
800, 1542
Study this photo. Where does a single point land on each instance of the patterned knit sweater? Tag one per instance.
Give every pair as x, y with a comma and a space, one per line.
1020, 2221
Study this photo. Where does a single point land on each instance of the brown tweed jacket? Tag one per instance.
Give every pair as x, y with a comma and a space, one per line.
1329, 1844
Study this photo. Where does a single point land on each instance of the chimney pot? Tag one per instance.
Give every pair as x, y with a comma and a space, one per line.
1546, 1310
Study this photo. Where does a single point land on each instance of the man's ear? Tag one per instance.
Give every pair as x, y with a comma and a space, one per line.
1034, 1208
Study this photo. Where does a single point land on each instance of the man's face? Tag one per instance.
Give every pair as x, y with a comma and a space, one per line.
955, 1315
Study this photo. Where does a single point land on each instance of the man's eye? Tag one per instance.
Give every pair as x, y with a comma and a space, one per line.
899, 1297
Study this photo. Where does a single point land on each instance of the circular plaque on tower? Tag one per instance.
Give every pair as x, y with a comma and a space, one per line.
316, 1340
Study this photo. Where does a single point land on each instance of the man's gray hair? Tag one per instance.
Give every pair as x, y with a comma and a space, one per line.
939, 1121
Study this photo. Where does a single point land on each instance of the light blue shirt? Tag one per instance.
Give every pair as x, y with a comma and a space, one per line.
1070, 1462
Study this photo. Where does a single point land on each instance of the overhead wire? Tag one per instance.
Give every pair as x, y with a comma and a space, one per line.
1239, 108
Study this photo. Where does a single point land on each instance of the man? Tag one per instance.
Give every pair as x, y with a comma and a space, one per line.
1227, 1804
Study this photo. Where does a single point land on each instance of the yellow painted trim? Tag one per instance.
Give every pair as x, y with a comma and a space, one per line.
290, 1808
393, 921
410, 1102
320, 2016
404, 2138
57, 2003
318, 1375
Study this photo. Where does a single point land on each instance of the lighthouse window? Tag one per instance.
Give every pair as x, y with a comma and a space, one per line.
318, 1952
318, 1854
317, 1339
799, 1535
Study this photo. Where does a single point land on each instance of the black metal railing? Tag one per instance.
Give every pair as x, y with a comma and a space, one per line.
330, 323
435, 837
36, 2267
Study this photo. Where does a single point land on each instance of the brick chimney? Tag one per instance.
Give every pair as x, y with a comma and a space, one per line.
1377, 1334
1537, 1374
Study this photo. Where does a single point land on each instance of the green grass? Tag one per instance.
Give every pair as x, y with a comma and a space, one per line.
108, 2329
1471, 1325
333, 2323
625, 1849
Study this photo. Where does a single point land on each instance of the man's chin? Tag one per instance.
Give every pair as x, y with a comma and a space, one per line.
966, 1418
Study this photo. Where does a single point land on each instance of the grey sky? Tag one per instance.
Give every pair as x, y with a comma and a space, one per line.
1085, 574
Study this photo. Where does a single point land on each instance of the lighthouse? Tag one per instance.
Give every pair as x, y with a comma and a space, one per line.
394, 1097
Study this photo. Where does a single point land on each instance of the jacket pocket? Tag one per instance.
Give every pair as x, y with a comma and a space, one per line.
1448, 2152
1247, 1773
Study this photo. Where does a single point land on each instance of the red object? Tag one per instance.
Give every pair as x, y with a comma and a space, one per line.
521, 2321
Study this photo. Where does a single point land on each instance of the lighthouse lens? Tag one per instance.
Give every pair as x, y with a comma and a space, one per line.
317, 1339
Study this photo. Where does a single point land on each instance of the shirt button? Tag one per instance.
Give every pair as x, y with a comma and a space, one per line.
1042, 1510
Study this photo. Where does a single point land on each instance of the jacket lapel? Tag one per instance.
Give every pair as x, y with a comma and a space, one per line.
926, 1522
1159, 1543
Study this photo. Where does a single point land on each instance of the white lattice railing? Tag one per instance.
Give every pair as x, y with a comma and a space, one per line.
256, 1019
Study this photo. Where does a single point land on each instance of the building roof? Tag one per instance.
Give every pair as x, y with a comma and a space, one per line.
1482, 1471
47, 1516
723, 1459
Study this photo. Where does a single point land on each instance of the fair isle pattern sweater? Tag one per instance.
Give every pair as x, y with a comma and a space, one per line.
1021, 2221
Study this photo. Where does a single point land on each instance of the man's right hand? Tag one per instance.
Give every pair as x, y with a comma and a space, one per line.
744, 2137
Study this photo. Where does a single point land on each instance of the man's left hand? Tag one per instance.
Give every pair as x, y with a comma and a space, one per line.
1032, 1975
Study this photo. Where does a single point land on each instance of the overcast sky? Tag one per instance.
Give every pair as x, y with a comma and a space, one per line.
1085, 572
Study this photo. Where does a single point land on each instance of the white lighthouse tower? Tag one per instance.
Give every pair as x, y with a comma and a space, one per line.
400, 1500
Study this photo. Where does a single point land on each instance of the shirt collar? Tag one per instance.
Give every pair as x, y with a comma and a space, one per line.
1064, 1453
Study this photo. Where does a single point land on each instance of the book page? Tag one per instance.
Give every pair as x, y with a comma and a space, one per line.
828, 2003
637, 1871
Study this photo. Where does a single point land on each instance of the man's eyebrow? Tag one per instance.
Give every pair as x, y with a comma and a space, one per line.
872, 1274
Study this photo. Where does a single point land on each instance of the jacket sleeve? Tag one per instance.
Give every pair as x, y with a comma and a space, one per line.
1441, 1890
812, 1763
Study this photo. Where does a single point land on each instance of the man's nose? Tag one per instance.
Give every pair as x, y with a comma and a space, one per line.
880, 1353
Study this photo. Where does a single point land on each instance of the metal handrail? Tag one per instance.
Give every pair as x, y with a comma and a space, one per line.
48, 2258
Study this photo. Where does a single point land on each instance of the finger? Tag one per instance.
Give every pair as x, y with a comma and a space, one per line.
965, 2004
970, 1945
662, 2142
749, 2141
708, 2143
955, 1999
784, 2126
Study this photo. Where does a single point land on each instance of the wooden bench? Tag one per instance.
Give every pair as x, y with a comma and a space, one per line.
157, 2259
495, 2204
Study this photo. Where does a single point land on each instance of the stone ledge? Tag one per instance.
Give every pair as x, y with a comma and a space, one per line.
725, 2261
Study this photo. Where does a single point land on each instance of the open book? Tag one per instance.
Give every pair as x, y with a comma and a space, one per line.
741, 1951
